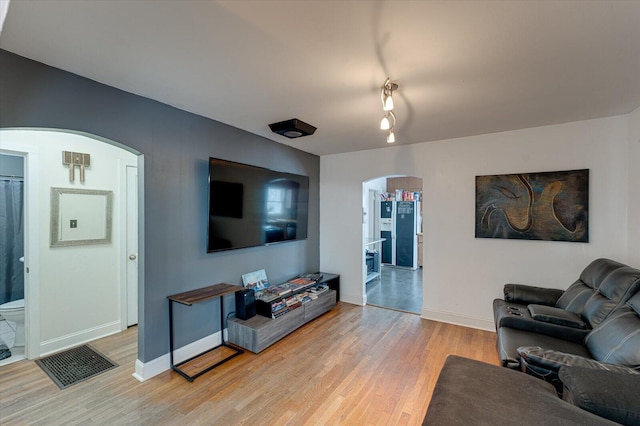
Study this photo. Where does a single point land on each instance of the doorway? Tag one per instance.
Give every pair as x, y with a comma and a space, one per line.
392, 240
95, 293
12, 279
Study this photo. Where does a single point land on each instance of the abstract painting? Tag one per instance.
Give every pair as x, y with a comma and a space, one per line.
551, 206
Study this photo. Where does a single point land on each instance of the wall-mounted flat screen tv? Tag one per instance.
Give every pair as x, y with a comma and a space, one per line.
252, 206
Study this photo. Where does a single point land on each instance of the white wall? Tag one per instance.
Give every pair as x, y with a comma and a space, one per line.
78, 292
378, 184
462, 275
634, 188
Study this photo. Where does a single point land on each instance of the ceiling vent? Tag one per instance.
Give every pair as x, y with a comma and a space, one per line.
293, 128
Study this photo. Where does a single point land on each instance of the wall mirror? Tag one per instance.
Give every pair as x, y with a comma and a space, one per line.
80, 216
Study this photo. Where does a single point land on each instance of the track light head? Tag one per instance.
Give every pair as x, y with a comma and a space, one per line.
391, 137
384, 123
386, 94
388, 103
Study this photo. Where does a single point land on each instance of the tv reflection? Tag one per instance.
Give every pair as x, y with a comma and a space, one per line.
281, 210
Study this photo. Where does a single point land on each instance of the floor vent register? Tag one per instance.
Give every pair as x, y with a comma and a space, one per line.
75, 365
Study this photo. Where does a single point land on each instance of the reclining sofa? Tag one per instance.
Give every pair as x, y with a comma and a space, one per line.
595, 324
584, 340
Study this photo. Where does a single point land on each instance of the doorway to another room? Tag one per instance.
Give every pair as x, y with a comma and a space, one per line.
100, 293
12, 284
392, 241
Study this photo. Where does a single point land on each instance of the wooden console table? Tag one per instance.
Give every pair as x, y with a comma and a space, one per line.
189, 298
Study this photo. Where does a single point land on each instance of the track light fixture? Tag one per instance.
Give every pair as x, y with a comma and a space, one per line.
388, 122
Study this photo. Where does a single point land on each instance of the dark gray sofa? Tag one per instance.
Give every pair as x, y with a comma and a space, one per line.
615, 396
585, 340
470, 392
594, 323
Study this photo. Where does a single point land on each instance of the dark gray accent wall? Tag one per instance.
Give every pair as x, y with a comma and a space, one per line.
175, 146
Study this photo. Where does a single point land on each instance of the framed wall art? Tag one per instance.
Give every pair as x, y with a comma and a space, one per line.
551, 206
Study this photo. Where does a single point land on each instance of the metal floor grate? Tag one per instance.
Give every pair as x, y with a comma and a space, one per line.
75, 365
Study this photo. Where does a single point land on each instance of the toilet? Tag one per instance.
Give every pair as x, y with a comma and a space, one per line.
14, 312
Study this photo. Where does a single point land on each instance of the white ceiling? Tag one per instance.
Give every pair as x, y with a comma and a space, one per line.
463, 67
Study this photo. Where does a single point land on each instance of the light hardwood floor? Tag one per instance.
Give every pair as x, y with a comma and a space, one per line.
352, 366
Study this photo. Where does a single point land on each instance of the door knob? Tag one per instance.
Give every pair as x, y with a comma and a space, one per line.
132, 257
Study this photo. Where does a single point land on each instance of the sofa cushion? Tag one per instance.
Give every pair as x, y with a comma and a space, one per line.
614, 291
617, 340
597, 271
556, 316
612, 395
525, 294
551, 360
634, 303
575, 297
470, 392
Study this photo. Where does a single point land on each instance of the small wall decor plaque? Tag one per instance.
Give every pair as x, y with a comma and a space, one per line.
552, 206
73, 159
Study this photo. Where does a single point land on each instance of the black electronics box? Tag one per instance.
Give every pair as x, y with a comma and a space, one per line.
245, 304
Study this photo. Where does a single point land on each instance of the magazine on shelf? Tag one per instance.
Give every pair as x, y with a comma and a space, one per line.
300, 281
280, 313
302, 286
319, 289
280, 304
256, 280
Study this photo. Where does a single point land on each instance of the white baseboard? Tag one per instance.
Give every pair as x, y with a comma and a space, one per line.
457, 319
441, 316
78, 338
146, 370
353, 299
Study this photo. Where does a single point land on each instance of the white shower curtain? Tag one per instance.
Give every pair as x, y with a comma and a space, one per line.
11, 240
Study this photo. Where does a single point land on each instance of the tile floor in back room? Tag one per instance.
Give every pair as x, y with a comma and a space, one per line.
8, 335
397, 288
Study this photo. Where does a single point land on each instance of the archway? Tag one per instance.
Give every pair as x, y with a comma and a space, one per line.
73, 294
392, 241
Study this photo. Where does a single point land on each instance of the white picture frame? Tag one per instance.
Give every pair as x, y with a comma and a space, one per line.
256, 280
80, 217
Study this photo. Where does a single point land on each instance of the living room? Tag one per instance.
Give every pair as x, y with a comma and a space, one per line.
462, 274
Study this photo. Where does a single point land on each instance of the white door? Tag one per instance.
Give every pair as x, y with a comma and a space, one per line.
132, 245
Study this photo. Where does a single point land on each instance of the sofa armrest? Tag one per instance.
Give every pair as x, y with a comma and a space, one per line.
612, 395
556, 316
526, 294
554, 360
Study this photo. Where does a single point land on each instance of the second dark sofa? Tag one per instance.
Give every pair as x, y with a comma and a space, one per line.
595, 323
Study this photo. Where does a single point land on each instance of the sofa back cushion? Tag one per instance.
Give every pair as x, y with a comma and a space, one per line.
614, 292
617, 339
576, 296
